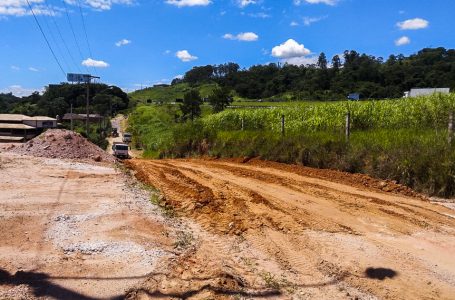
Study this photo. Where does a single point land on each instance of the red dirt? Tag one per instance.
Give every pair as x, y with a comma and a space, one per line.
331, 234
66, 144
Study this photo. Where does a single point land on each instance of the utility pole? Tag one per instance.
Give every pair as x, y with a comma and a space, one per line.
71, 113
87, 105
79, 78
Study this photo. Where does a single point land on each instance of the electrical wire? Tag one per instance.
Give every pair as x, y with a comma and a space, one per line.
45, 38
74, 34
54, 41
61, 36
85, 31
85, 28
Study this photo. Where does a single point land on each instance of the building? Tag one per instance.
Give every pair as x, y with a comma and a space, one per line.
93, 118
425, 92
354, 96
19, 128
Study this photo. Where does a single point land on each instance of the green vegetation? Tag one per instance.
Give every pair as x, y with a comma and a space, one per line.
169, 93
220, 99
191, 105
424, 112
403, 140
353, 72
56, 101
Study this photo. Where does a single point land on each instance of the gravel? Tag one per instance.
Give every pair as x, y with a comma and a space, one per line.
61, 143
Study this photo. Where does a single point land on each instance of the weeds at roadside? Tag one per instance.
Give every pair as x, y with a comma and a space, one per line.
250, 264
273, 282
169, 211
184, 240
123, 169
270, 280
288, 286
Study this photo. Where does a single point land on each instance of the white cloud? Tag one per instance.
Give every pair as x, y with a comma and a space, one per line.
20, 8
20, 91
15, 68
101, 4
293, 53
404, 40
261, 15
307, 21
328, 2
303, 60
95, 63
293, 24
183, 3
185, 56
162, 81
243, 36
290, 49
244, 3
123, 42
180, 76
33, 69
413, 24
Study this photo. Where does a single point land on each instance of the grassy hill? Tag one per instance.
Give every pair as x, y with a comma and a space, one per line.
170, 93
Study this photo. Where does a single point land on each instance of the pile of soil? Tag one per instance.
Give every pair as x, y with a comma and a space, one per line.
61, 143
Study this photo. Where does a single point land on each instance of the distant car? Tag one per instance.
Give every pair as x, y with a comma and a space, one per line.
114, 132
127, 137
354, 96
120, 150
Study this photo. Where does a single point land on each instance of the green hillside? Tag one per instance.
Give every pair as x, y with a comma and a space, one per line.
170, 93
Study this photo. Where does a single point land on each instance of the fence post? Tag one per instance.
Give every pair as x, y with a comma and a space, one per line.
243, 123
282, 124
450, 128
348, 125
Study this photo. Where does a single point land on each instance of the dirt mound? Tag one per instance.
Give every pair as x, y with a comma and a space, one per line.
60, 143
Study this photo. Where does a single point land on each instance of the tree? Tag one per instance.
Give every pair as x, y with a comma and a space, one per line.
199, 75
322, 61
220, 98
336, 63
191, 106
102, 104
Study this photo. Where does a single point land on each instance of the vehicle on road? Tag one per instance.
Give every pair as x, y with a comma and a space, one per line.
120, 150
127, 137
114, 132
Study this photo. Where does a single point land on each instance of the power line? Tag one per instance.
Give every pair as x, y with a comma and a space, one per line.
85, 31
45, 38
61, 36
53, 40
85, 28
72, 30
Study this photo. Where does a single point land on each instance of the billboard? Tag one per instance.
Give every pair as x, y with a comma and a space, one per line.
78, 77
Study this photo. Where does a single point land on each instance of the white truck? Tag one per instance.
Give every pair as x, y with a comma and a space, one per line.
127, 137
120, 150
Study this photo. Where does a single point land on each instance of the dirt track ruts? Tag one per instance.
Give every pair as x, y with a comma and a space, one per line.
318, 224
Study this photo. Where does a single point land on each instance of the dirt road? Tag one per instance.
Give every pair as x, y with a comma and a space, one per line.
73, 230
305, 233
120, 122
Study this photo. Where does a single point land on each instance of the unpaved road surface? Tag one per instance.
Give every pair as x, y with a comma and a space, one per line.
72, 230
289, 232
120, 122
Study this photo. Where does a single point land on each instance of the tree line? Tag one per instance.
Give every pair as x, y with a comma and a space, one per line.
57, 99
351, 72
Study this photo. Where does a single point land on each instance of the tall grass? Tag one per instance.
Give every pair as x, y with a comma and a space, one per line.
422, 112
403, 140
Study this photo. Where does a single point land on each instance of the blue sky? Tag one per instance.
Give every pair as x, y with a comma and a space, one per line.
137, 42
